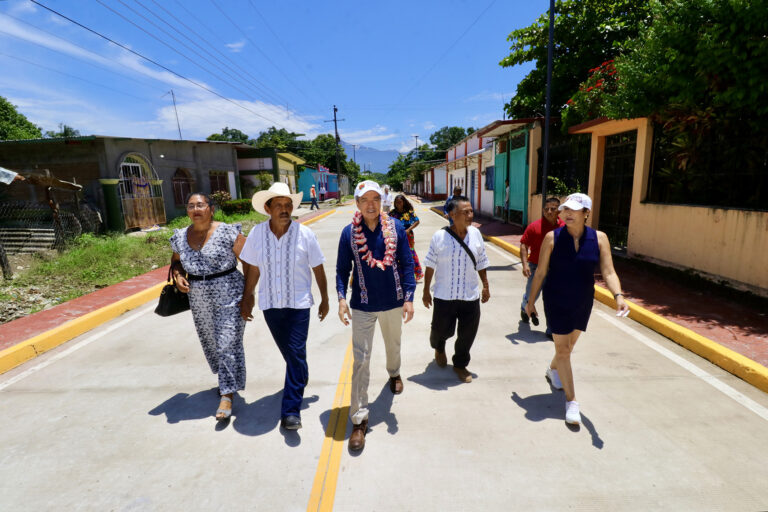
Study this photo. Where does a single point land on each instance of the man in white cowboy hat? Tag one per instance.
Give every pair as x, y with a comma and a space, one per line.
281, 253
376, 247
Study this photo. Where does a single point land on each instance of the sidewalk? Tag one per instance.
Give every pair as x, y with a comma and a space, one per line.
709, 310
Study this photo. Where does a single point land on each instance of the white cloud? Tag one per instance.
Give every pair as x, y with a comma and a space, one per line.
491, 96
429, 125
375, 134
22, 7
203, 117
236, 47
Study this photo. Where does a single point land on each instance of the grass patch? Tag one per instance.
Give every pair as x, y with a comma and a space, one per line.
92, 262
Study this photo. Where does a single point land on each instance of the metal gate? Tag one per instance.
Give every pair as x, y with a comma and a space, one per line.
141, 193
616, 193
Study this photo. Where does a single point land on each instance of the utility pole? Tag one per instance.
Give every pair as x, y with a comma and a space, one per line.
417, 145
548, 106
178, 125
354, 152
338, 141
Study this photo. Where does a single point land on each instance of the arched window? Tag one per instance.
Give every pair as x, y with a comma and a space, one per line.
182, 185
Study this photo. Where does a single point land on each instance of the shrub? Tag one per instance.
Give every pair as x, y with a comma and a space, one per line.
236, 206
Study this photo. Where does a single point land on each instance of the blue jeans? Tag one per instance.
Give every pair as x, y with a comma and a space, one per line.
289, 328
314, 204
527, 293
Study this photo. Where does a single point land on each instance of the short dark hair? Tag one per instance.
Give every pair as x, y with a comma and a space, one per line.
453, 203
552, 199
201, 194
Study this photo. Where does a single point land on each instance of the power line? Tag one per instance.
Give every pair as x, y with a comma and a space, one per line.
205, 26
72, 76
216, 4
252, 80
154, 62
133, 78
166, 44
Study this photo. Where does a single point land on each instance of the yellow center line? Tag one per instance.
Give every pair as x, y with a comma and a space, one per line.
327, 474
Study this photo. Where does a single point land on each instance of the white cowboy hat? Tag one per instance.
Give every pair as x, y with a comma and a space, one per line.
278, 189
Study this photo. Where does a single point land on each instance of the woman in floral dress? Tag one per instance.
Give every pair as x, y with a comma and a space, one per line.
204, 264
403, 211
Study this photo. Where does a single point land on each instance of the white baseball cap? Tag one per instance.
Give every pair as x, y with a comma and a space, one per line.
577, 201
366, 186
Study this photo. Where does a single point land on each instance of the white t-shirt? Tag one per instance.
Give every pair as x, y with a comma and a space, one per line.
285, 265
455, 277
386, 199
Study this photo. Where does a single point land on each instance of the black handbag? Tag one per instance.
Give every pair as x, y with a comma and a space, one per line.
171, 301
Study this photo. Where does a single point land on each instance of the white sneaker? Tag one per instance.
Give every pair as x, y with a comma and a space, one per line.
572, 414
554, 378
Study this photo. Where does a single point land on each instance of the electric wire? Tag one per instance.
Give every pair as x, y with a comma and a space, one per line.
266, 91
161, 66
264, 54
204, 69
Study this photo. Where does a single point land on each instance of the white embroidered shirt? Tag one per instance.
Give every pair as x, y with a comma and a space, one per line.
455, 278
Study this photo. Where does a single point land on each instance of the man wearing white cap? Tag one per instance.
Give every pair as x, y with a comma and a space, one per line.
281, 252
376, 247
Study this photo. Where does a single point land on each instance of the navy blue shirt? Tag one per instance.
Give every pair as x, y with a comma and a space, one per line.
380, 290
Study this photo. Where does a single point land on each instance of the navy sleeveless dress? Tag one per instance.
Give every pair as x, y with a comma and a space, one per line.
569, 288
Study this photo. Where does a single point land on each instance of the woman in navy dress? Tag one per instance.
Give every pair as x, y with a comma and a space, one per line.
568, 259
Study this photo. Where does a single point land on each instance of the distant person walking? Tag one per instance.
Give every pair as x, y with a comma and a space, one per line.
458, 261
566, 269
404, 212
375, 248
204, 264
506, 200
530, 248
313, 197
456, 192
281, 253
323, 192
386, 199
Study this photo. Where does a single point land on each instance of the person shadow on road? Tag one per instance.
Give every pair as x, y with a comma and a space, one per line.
550, 406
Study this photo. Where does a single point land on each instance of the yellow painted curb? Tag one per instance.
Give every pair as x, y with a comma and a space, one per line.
321, 216
33, 347
13, 356
729, 360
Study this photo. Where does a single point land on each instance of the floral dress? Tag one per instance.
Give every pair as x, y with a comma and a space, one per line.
408, 219
215, 303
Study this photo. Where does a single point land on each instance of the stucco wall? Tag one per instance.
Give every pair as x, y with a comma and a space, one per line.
732, 244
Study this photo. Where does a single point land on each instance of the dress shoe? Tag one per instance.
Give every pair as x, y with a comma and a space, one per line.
357, 439
463, 374
396, 385
291, 423
440, 359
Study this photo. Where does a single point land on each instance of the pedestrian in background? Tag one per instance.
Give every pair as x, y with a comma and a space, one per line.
506, 200
204, 264
456, 192
386, 200
313, 198
322, 192
566, 269
282, 252
404, 212
375, 248
531, 241
458, 261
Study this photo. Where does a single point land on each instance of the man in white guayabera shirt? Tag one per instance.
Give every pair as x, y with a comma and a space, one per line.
282, 252
457, 260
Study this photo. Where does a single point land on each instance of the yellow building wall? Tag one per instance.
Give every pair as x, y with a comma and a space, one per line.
724, 244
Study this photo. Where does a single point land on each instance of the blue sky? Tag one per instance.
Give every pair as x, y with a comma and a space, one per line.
395, 69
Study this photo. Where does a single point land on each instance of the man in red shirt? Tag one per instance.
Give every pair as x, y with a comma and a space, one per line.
531, 240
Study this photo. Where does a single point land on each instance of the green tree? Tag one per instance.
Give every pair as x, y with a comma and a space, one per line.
64, 131
282, 140
586, 33
231, 135
14, 125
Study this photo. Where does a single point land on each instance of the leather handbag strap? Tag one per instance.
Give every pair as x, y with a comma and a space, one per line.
465, 246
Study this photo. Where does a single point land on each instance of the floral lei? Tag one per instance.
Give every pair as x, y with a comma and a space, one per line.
359, 243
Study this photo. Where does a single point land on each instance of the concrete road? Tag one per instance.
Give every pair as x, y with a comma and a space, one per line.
121, 419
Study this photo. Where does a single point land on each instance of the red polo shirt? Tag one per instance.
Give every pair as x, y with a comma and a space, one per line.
534, 234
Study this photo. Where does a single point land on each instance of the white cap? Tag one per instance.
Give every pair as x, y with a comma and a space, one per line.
366, 186
577, 201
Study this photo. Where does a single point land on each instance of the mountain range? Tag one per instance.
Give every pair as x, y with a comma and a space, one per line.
372, 159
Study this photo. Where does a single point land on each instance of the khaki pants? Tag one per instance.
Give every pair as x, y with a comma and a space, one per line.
363, 326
